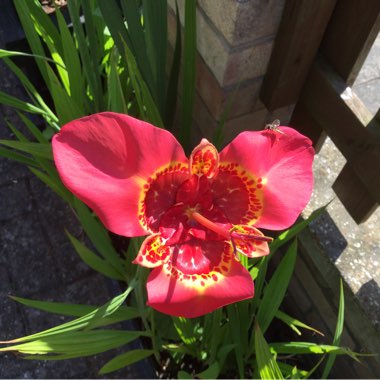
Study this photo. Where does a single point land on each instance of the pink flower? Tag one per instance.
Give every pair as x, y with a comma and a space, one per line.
198, 213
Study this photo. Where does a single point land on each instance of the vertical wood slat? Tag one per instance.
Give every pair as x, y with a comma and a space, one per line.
304, 122
352, 192
339, 114
350, 34
300, 33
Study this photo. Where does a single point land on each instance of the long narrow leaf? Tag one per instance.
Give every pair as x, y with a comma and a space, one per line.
156, 37
124, 360
34, 41
35, 149
77, 343
294, 323
338, 334
266, 363
148, 108
124, 313
72, 63
11, 101
189, 55
12, 155
235, 331
94, 261
116, 100
55, 185
172, 90
91, 319
33, 129
138, 47
299, 348
67, 109
98, 236
276, 289
89, 65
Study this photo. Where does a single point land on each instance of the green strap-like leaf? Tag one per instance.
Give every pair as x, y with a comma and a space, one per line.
94, 261
90, 320
337, 335
124, 360
275, 290
294, 323
124, 313
296, 348
76, 344
189, 69
35, 149
266, 363
99, 236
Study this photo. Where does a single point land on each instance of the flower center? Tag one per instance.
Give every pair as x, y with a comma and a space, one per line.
246, 233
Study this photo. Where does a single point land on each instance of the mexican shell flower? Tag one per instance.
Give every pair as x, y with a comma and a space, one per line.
198, 213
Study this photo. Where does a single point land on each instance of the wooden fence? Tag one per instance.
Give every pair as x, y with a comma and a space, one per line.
319, 50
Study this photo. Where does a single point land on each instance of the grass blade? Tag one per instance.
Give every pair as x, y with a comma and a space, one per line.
294, 323
77, 343
338, 333
55, 185
124, 313
147, 106
92, 319
10, 154
35, 149
235, 332
172, 90
189, 56
72, 63
124, 360
94, 261
34, 41
98, 236
116, 100
156, 34
266, 363
11, 101
137, 45
90, 67
301, 348
276, 288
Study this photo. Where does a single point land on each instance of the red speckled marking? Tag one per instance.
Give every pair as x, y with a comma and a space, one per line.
238, 193
204, 280
204, 160
153, 252
159, 192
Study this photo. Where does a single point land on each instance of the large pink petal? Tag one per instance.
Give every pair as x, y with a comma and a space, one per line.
106, 159
281, 164
178, 293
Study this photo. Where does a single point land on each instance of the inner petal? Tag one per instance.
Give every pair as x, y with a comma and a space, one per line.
159, 194
238, 194
204, 160
197, 256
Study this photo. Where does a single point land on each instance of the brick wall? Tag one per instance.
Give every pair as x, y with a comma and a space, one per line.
235, 40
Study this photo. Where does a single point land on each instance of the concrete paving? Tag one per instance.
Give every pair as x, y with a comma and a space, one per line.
355, 249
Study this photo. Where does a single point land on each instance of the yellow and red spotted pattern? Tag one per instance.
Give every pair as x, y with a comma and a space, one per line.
153, 252
204, 160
